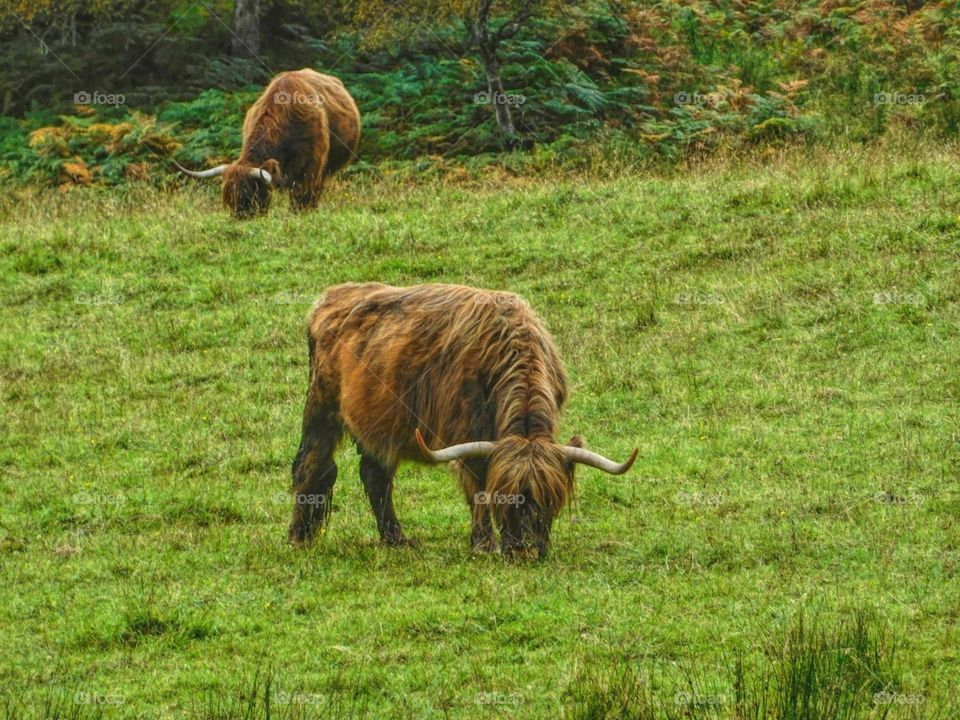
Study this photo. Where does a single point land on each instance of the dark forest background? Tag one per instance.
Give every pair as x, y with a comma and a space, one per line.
107, 91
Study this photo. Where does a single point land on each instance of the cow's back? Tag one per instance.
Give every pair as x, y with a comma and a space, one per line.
343, 117
430, 356
303, 118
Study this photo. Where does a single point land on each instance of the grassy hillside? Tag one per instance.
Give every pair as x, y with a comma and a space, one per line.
778, 336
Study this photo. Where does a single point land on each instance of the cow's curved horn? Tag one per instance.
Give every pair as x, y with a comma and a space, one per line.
585, 457
462, 451
212, 172
261, 174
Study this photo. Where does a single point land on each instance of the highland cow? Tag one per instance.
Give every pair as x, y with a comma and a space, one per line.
300, 131
472, 371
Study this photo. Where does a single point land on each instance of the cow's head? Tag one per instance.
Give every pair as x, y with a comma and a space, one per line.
246, 188
528, 483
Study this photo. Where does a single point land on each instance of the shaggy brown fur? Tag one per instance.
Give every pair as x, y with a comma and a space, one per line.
461, 365
302, 129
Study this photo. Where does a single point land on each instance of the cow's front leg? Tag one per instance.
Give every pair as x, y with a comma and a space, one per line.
473, 478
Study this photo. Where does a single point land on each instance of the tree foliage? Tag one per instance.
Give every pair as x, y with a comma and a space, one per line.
487, 24
662, 79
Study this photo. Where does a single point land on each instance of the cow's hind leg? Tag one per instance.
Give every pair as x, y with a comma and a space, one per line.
473, 479
314, 471
378, 484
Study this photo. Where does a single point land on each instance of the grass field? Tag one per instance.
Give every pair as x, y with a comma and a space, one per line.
779, 337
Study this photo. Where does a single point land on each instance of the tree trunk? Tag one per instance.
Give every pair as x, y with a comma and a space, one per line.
246, 29
498, 98
486, 45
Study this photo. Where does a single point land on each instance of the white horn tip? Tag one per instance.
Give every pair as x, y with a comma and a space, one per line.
629, 463
423, 445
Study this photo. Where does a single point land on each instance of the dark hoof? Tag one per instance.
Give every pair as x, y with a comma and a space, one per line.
485, 548
398, 541
300, 538
522, 554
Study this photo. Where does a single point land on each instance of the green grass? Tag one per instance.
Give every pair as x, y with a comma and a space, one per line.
779, 337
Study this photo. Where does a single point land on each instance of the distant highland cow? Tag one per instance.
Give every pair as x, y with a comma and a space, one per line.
473, 371
300, 131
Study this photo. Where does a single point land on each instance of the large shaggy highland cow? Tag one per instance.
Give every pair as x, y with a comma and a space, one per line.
300, 131
471, 371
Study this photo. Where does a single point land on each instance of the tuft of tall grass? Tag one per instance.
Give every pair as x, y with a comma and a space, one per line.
810, 670
262, 696
56, 703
